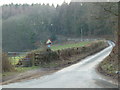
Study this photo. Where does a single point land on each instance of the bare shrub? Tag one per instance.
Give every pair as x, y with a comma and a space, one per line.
6, 65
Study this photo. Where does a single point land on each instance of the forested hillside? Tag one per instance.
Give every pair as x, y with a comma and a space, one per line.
26, 27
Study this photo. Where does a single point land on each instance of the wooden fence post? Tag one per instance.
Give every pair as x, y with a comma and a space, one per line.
33, 59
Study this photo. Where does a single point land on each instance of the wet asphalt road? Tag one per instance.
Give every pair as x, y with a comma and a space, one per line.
80, 75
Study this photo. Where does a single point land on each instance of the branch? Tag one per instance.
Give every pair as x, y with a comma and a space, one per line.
110, 12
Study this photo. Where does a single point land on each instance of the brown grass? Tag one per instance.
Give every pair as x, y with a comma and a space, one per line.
110, 64
6, 65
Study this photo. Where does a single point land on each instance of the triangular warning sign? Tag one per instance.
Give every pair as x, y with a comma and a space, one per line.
48, 41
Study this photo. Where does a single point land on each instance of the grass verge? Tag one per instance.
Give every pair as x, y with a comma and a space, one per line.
20, 70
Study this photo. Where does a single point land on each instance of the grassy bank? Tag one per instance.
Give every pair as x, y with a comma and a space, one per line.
72, 55
15, 60
67, 56
62, 53
109, 66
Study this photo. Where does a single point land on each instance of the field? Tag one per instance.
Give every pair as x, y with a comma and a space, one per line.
14, 60
64, 46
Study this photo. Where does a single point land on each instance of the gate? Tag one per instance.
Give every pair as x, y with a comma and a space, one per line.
16, 57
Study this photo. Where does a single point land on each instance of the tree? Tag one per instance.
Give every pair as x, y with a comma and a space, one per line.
23, 25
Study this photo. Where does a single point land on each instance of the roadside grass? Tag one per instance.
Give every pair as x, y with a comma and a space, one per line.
19, 70
109, 68
7, 74
15, 60
23, 69
51, 64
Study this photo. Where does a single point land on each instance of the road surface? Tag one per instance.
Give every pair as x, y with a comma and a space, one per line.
80, 75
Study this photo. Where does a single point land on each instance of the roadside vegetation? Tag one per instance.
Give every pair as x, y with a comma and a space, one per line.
13, 61
6, 64
110, 65
46, 56
52, 60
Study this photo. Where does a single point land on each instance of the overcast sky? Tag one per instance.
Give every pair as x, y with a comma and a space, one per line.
55, 2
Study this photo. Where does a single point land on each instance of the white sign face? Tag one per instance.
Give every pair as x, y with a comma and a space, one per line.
49, 41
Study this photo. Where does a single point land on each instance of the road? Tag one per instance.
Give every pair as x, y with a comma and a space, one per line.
80, 75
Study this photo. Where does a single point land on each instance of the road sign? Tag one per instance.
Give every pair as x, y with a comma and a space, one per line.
49, 42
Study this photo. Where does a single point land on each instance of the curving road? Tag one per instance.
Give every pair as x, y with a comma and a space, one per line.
80, 75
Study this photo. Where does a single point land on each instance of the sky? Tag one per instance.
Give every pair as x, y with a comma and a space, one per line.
55, 2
